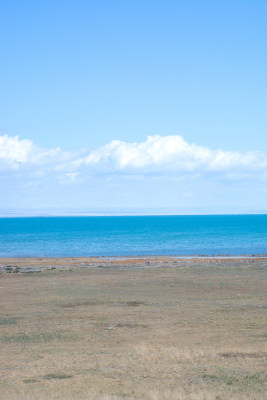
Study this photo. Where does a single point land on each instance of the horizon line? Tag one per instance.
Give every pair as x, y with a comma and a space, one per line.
121, 214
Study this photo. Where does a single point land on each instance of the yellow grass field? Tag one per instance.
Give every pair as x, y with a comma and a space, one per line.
158, 329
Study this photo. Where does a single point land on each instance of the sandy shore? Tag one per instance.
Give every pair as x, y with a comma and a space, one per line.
48, 262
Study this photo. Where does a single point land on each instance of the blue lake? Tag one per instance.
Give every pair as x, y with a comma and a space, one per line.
133, 235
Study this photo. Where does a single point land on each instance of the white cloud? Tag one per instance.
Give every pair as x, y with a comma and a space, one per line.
16, 153
171, 153
163, 172
158, 154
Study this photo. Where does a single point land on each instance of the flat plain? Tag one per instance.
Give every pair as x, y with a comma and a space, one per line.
135, 329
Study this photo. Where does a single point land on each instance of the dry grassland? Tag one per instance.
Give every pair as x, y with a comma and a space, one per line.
175, 330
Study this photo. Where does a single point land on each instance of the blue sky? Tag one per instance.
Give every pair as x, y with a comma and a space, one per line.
79, 75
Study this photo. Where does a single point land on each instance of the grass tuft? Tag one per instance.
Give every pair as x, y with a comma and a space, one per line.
33, 338
8, 321
57, 376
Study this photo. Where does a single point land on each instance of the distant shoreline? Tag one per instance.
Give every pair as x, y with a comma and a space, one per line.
125, 214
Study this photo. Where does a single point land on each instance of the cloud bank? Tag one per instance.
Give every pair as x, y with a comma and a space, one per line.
163, 172
158, 155
170, 153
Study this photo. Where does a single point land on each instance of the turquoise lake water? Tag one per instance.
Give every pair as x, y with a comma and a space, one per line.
133, 235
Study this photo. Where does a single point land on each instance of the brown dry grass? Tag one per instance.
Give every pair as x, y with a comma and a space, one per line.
183, 330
